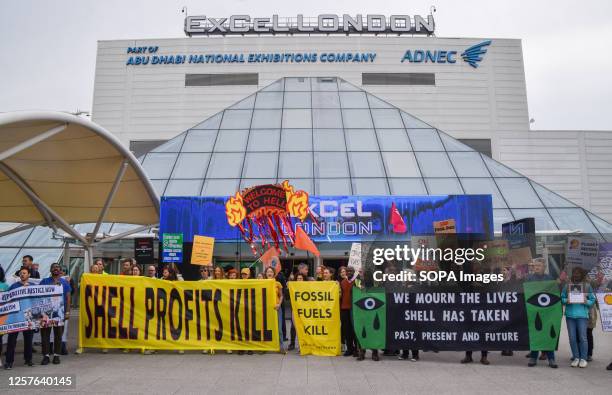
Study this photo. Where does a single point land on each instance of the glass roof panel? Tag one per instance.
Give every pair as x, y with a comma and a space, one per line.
329, 140
549, 198
172, 145
572, 219
393, 140
518, 193
199, 141
401, 164
333, 186
468, 164
425, 140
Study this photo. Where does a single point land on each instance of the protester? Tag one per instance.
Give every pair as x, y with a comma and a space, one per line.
218, 273
577, 316
136, 271
24, 281
169, 274
99, 262
126, 267
245, 273
3, 287
326, 274
295, 344
260, 276
27, 261
474, 268
270, 274
152, 271
280, 277
319, 273
303, 270
346, 302
591, 324
55, 279
232, 274
204, 273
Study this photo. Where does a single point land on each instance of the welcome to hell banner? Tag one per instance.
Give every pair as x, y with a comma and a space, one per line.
316, 313
526, 318
140, 312
31, 307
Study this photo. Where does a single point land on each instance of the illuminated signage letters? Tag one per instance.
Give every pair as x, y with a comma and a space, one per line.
322, 24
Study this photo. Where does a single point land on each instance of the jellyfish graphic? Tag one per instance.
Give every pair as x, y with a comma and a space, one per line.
544, 311
370, 317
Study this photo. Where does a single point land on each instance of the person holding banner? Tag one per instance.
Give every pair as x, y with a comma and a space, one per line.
578, 298
271, 275
24, 281
538, 273
45, 333
3, 287
346, 302
218, 273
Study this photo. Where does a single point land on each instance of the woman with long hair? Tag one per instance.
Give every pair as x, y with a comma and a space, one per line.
577, 316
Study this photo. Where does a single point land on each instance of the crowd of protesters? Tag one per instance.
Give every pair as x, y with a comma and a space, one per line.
580, 318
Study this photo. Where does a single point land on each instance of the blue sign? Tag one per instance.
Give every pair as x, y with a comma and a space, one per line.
338, 218
472, 56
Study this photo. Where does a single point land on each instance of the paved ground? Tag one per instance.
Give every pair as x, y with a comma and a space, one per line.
441, 373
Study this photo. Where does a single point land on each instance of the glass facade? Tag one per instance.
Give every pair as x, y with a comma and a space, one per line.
330, 137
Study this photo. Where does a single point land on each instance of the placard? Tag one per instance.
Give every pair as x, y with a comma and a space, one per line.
172, 247
581, 252
143, 250
575, 294
202, 251
447, 226
604, 300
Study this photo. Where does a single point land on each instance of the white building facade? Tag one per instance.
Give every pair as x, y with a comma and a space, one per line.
472, 88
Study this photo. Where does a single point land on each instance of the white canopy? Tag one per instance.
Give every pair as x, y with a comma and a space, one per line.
59, 170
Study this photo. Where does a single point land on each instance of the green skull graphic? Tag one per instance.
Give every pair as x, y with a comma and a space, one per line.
370, 317
544, 311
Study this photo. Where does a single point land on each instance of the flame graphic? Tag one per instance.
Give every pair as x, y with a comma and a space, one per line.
235, 210
297, 202
297, 205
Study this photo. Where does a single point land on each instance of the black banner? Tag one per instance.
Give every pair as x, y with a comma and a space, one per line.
457, 320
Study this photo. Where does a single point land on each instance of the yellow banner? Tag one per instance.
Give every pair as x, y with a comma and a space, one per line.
146, 313
316, 314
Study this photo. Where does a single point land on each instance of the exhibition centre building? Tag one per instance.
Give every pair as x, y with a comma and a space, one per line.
358, 111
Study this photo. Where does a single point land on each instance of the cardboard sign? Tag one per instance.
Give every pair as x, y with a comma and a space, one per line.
424, 242
172, 246
445, 227
604, 300
202, 251
581, 252
355, 257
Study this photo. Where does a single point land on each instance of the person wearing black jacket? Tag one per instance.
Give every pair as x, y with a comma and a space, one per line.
28, 261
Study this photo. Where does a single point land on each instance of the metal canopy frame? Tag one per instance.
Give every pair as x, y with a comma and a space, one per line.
51, 218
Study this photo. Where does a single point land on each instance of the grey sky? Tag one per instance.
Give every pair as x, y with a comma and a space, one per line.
48, 48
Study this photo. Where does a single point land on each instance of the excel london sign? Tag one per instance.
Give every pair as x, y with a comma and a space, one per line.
322, 24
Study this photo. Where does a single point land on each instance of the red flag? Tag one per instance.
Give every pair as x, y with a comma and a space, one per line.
270, 258
303, 242
399, 226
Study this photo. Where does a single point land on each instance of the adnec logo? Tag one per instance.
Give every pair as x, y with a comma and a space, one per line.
472, 55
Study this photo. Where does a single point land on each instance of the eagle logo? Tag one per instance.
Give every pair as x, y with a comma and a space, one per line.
473, 55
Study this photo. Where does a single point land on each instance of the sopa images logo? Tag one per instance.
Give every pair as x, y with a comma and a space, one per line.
474, 54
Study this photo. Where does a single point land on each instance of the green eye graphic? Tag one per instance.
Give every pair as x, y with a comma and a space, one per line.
543, 299
369, 303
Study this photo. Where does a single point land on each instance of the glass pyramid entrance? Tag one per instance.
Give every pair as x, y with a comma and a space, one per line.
330, 137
